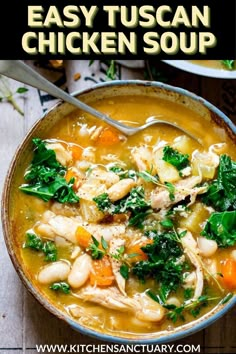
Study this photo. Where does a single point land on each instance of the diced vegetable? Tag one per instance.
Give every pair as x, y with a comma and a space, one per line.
101, 273
166, 172
135, 252
108, 137
70, 174
228, 270
89, 211
83, 237
195, 218
204, 164
76, 152
183, 144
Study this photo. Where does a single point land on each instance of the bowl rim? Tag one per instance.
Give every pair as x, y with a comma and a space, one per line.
197, 69
167, 337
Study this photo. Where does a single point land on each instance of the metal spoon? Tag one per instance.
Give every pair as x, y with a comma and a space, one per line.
18, 70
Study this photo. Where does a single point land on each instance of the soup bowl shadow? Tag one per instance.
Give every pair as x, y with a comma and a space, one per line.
18, 164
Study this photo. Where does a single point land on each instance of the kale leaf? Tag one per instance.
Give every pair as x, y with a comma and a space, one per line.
175, 158
221, 227
221, 192
162, 264
45, 177
103, 202
35, 242
61, 286
134, 203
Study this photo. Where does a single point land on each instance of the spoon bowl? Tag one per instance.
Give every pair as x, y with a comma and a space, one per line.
18, 70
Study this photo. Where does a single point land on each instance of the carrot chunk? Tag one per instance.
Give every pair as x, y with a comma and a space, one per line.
228, 270
108, 137
76, 152
101, 273
138, 253
71, 174
83, 237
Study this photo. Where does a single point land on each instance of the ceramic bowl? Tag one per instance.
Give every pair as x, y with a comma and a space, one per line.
108, 89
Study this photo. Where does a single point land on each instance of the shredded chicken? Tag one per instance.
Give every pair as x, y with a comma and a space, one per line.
192, 251
62, 155
142, 157
115, 245
142, 307
160, 197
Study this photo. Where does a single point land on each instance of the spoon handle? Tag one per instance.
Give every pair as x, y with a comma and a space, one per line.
18, 70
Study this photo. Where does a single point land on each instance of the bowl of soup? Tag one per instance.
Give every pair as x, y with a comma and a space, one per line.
221, 69
129, 239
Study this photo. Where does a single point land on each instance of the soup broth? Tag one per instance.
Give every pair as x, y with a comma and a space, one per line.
130, 229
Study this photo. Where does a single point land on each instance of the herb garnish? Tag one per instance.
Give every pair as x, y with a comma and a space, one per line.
221, 192
46, 177
221, 227
175, 158
61, 286
134, 203
35, 242
163, 263
96, 252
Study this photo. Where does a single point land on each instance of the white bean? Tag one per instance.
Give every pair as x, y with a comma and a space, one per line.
173, 301
207, 247
120, 189
57, 271
80, 271
150, 310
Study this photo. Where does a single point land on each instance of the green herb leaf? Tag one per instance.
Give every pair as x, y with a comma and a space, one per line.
96, 252
175, 158
167, 223
226, 298
147, 177
103, 202
45, 177
162, 264
33, 241
104, 243
229, 64
221, 227
124, 271
188, 293
221, 192
61, 286
171, 189
50, 251
21, 90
